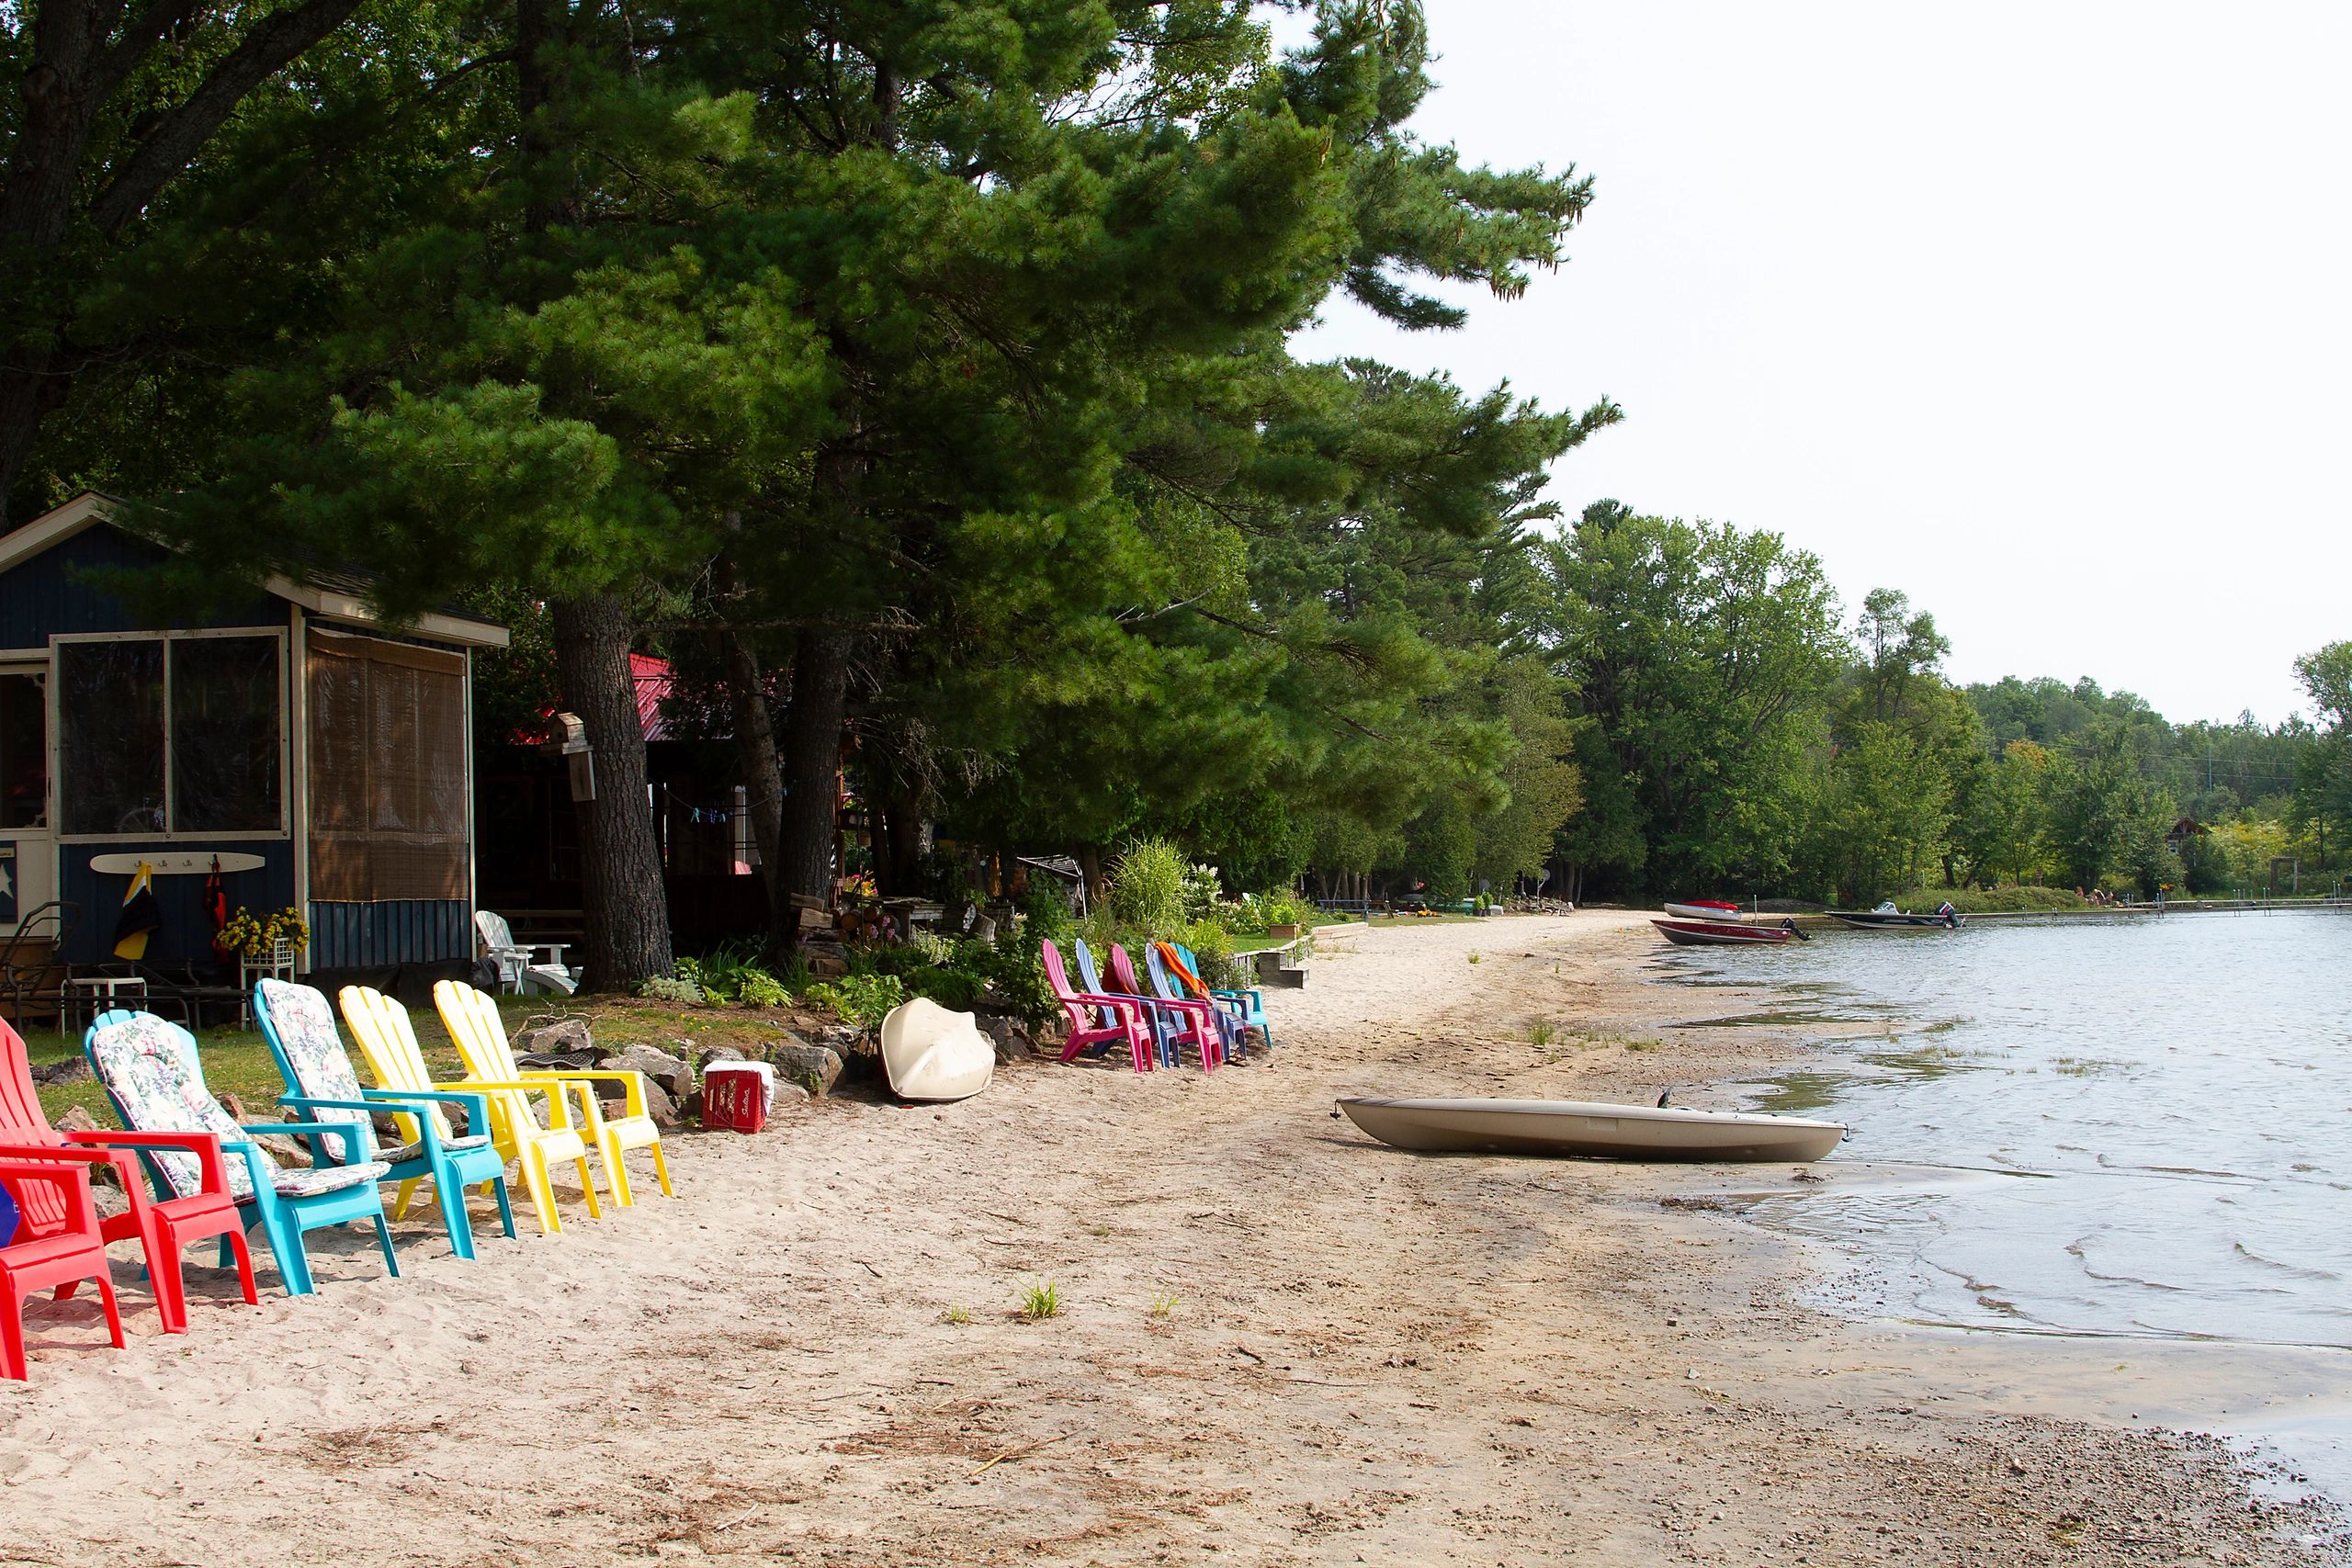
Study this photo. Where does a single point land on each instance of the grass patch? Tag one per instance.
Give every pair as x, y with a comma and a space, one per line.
1541, 1034
1474, 958
1163, 1306
957, 1315
1040, 1299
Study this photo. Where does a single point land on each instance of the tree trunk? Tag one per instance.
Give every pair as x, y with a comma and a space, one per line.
1090, 867
812, 751
898, 842
628, 916
762, 770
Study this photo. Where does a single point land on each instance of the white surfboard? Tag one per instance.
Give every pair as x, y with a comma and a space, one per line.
176, 863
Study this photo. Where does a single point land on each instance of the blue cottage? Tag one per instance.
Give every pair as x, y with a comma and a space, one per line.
320, 758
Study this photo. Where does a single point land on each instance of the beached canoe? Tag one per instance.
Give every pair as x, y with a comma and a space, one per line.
1591, 1129
928, 1052
1718, 933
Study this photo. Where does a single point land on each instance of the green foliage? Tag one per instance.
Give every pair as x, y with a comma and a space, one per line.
864, 1001
729, 975
1039, 1300
1212, 947
661, 987
1203, 891
1147, 889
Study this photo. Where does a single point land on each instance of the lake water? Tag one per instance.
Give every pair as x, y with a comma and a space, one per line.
2161, 1108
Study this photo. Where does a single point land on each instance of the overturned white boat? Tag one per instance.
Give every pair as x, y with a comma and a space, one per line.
1592, 1129
929, 1052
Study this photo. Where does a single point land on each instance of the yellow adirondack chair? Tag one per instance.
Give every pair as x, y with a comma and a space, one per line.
472, 1019
388, 1042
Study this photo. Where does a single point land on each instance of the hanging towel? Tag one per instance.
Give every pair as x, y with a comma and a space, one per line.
216, 905
140, 916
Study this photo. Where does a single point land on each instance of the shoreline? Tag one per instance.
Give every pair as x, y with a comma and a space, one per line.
1282, 1343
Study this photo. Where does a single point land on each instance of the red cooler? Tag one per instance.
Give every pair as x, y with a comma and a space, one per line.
735, 1095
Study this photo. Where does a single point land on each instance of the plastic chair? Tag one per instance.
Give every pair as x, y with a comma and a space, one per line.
1174, 1019
60, 1260
1122, 1016
299, 1030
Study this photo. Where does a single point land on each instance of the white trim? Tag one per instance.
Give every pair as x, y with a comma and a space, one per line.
341, 607
297, 729
473, 803
56, 526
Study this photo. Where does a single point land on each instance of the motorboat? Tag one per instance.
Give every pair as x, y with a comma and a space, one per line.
1589, 1129
1887, 916
1720, 933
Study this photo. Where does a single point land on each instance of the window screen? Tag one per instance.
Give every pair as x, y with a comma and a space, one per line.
110, 734
388, 771
24, 752
225, 735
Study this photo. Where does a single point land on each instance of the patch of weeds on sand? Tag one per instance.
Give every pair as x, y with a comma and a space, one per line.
1541, 1034
1099, 1231
1640, 1044
1163, 1306
1474, 958
1040, 1299
957, 1315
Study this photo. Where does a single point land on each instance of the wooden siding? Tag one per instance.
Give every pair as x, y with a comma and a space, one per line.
50, 594
371, 936
186, 932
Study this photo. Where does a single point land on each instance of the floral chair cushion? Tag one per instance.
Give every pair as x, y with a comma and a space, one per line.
150, 1066
299, 1018
417, 1149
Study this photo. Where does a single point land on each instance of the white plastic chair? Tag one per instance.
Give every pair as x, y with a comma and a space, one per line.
516, 969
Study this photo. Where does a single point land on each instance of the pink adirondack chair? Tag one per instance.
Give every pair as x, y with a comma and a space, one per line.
163, 1226
1194, 1021
1124, 1015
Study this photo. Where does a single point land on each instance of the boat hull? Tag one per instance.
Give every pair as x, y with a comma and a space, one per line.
931, 1053
1709, 933
1871, 921
1705, 911
1589, 1129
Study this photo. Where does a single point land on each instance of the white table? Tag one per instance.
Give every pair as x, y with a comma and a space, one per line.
88, 990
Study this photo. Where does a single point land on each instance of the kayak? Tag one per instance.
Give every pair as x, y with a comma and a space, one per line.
928, 1052
1590, 1129
1704, 910
1717, 933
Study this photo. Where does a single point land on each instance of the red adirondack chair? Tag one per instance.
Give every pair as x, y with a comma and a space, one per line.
1124, 1015
161, 1226
63, 1258
1196, 1019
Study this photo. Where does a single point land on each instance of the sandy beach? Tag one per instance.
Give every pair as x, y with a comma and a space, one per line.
1279, 1343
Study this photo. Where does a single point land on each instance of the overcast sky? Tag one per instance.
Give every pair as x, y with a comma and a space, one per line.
2039, 313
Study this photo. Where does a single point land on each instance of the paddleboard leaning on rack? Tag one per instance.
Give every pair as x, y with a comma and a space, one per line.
1590, 1129
176, 863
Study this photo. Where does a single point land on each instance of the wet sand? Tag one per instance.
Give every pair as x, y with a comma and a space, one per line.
1279, 1343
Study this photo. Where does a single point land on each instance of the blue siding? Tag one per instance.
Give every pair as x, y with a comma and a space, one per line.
48, 595
407, 930
188, 931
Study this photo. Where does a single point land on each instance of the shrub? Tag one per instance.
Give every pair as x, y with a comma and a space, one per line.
1017, 971
1202, 890
1147, 887
950, 988
1047, 913
864, 1001
1213, 946
664, 989
728, 975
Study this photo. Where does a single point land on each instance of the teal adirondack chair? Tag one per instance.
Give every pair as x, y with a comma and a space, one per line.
156, 1083
1248, 1005
299, 1029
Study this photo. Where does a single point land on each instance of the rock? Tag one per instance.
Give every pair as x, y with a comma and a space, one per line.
110, 1199
74, 1119
789, 1094
826, 968
676, 1077
658, 1103
1011, 1037
815, 1069
563, 1037
719, 1053
72, 1069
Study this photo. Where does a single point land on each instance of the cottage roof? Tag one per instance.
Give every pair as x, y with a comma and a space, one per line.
340, 596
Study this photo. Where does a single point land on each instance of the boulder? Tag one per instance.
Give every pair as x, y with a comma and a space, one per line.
719, 1053
563, 1037
676, 1077
789, 1094
72, 1069
74, 1119
814, 1068
658, 1103
1010, 1035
